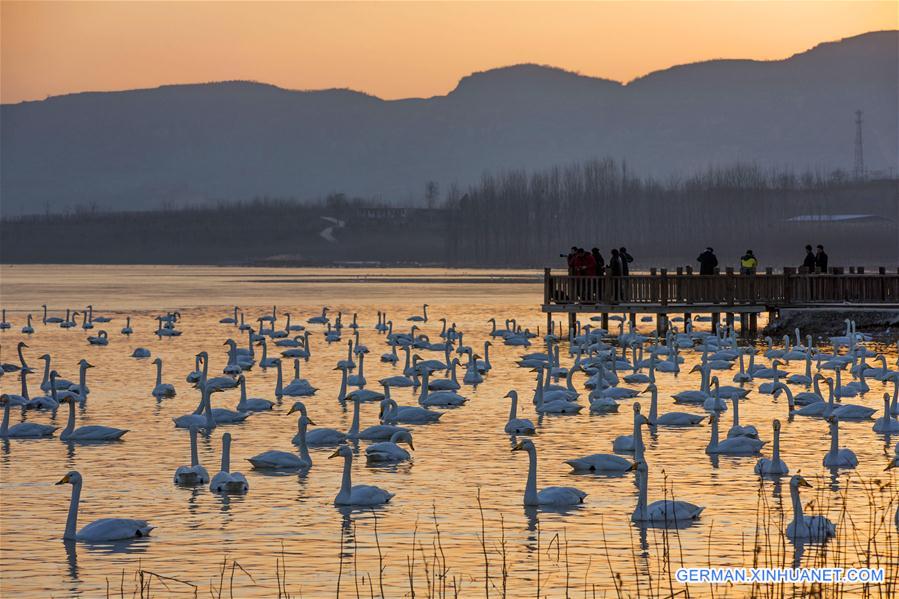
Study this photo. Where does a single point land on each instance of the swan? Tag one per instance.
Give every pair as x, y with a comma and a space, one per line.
559, 406
253, 404
167, 330
715, 403
219, 383
91, 432
663, 512
85, 321
773, 466
741, 431
818, 408
237, 361
60, 383
24, 398
743, 376
633, 442
77, 392
230, 319
323, 319
442, 399
840, 390
772, 372
44, 402
806, 529
28, 329
392, 413
162, 389
838, 457
390, 451
226, 481
420, 318
358, 380
450, 384
731, 445
195, 474
103, 530
322, 437
378, 432
599, 462
549, 496
265, 361
886, 423
696, 396
516, 425
391, 357
808, 397
140, 352
671, 418
201, 417
50, 319
298, 387
285, 460
23, 430
127, 330
362, 495
803, 379
101, 338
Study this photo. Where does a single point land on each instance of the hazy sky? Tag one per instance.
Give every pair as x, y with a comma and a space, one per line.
393, 50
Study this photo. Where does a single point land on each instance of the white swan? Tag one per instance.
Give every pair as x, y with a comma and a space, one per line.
101, 338
103, 530
806, 529
161, 389
671, 418
838, 457
731, 445
23, 430
28, 329
773, 466
392, 412
92, 432
127, 330
230, 319
226, 481
252, 404
285, 460
390, 451
195, 474
323, 319
439, 399
741, 431
298, 387
633, 442
322, 437
886, 423
420, 318
201, 417
663, 512
140, 352
362, 495
516, 425
549, 496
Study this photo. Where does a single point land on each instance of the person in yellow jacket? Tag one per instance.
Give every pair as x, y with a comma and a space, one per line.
748, 263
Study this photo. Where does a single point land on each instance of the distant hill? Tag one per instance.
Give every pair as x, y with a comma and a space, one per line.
198, 143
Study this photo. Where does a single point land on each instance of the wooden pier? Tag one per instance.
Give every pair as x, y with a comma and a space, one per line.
662, 293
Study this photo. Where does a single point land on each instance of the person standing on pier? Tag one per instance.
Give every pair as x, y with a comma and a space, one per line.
625, 260
809, 261
748, 263
707, 262
821, 259
600, 262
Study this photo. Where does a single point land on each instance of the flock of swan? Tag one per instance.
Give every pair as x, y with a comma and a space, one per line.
605, 363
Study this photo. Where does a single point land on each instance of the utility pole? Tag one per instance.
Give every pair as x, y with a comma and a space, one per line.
859, 170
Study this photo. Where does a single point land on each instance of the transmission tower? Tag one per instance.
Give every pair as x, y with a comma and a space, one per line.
859, 170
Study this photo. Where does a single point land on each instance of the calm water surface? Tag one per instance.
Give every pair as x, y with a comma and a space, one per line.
465, 453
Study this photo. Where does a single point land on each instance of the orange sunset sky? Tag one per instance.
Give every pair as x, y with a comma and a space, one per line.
393, 50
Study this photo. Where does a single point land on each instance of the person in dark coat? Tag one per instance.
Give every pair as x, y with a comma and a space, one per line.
809, 261
600, 262
570, 259
625, 260
821, 259
707, 262
615, 263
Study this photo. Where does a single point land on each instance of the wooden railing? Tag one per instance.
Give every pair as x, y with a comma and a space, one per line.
768, 289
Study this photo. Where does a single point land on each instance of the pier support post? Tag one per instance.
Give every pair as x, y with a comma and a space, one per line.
633, 319
744, 324
753, 324
661, 324
730, 320
605, 321
549, 322
716, 317
572, 323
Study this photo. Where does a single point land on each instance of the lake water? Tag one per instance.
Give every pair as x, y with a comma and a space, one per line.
464, 456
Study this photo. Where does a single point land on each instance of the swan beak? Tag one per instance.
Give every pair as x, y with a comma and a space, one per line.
310, 421
64, 480
412, 447
804, 483
892, 465
632, 467
291, 410
334, 455
646, 390
518, 446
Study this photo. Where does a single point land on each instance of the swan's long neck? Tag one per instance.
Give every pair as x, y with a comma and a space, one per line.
210, 421
530, 489
304, 450
70, 424
243, 392
194, 458
354, 427
264, 350
654, 406
46, 372
341, 395
25, 366
346, 485
24, 376
453, 372
158, 374
642, 493
714, 442
638, 438
226, 453
513, 411
425, 376
72, 520
775, 454
279, 384
361, 366
797, 504
5, 426
538, 397
736, 411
